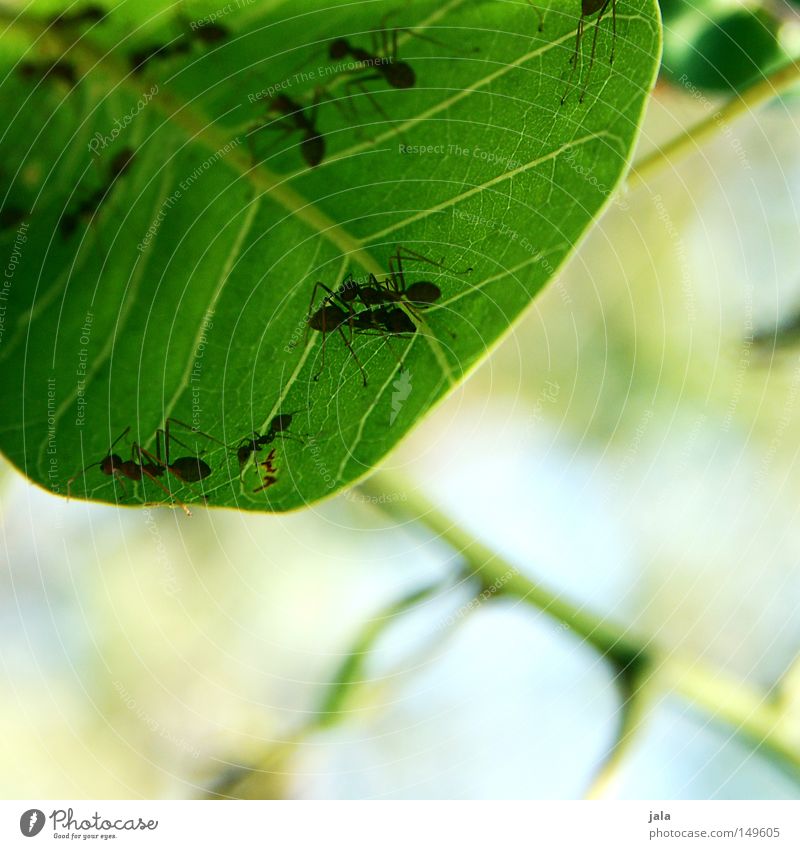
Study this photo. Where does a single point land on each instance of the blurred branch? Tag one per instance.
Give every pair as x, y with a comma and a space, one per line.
499, 576
756, 95
752, 713
637, 698
349, 676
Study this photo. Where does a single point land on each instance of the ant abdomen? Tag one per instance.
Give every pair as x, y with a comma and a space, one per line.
328, 318
423, 293
110, 464
401, 75
190, 469
313, 149
339, 49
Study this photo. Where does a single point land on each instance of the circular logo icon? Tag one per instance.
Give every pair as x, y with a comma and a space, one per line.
31, 822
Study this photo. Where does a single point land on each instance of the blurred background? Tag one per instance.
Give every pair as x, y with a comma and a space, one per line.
632, 445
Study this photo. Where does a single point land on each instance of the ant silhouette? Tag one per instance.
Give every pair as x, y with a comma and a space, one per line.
294, 117
277, 427
143, 464
382, 63
89, 206
114, 466
589, 8
386, 304
203, 33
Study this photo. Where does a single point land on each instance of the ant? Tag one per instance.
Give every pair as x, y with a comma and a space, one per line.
203, 33
57, 69
329, 317
394, 289
294, 117
589, 8
191, 469
380, 64
277, 427
379, 298
143, 464
270, 472
89, 206
114, 466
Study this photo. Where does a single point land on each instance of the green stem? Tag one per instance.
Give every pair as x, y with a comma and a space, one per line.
500, 576
752, 713
756, 95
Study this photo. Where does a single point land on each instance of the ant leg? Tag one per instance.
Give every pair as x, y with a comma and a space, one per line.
144, 453
573, 60
539, 14
592, 54
613, 31
409, 254
359, 83
190, 429
353, 354
284, 124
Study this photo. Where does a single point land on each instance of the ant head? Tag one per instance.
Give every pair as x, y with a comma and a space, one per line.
313, 149
110, 464
400, 75
338, 49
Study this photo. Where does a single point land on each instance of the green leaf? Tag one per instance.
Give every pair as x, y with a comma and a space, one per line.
183, 288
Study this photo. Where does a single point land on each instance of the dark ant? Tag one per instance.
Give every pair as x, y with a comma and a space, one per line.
294, 117
88, 15
203, 33
143, 464
589, 8
380, 64
186, 469
379, 298
114, 466
386, 67
277, 427
58, 69
382, 320
89, 206
270, 472
330, 317
141, 58
394, 289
